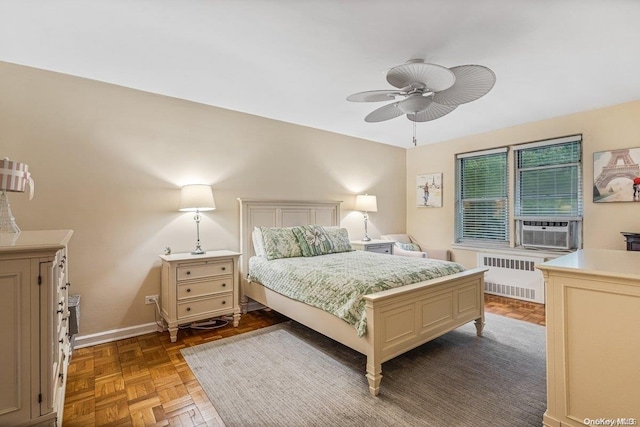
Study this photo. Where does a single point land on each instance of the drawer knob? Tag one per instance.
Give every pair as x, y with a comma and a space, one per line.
224, 302
224, 284
188, 273
60, 341
224, 268
68, 284
59, 311
188, 308
188, 289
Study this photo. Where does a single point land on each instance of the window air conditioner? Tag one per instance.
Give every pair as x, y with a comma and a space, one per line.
546, 234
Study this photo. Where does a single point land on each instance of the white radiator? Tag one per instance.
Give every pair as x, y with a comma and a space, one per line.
513, 276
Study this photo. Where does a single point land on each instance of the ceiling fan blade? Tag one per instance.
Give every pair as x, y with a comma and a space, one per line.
387, 112
434, 77
374, 96
432, 112
472, 82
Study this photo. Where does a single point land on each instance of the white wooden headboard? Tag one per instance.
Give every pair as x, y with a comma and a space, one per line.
280, 213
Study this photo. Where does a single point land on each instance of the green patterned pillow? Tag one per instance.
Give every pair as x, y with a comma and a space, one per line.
339, 238
313, 240
409, 246
280, 242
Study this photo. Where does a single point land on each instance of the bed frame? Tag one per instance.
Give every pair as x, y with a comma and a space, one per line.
398, 319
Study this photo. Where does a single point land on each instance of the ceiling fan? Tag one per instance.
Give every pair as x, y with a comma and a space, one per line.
427, 91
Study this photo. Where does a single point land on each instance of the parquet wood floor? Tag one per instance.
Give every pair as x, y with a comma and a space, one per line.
516, 309
145, 381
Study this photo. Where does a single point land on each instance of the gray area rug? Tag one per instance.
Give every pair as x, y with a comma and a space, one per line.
289, 375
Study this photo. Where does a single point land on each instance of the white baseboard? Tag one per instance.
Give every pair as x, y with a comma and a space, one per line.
113, 335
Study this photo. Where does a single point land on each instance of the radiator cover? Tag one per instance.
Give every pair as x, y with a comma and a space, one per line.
513, 276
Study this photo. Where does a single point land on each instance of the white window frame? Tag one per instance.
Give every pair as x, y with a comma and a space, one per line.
497, 237
579, 190
573, 218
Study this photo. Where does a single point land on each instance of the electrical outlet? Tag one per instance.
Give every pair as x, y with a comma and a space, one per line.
150, 299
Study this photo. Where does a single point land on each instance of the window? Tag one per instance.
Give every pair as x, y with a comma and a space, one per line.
549, 179
482, 204
547, 190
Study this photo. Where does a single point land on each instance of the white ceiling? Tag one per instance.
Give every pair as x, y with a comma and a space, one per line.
297, 60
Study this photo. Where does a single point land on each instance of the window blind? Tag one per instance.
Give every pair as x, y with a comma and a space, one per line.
549, 179
481, 197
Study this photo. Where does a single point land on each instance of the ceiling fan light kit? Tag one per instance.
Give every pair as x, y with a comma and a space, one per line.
427, 91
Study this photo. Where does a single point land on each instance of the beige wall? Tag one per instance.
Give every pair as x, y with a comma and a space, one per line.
108, 163
603, 129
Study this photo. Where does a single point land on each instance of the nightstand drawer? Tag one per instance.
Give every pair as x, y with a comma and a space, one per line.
198, 271
382, 249
375, 245
208, 305
197, 289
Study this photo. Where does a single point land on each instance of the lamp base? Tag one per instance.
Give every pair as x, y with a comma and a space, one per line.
366, 239
198, 250
7, 220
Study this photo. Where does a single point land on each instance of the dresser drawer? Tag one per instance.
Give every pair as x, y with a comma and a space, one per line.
381, 249
197, 271
197, 289
208, 305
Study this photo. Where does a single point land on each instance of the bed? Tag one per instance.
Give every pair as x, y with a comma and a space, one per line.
397, 319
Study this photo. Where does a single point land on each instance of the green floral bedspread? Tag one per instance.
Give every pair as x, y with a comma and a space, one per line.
336, 282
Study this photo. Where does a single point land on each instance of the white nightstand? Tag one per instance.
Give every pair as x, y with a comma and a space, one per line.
373, 245
199, 287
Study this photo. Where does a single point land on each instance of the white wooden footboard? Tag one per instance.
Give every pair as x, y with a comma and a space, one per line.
403, 318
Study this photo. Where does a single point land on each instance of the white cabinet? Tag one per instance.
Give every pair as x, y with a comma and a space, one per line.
592, 317
34, 314
198, 287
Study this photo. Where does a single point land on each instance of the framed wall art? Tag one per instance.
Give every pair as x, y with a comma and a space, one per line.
616, 176
429, 190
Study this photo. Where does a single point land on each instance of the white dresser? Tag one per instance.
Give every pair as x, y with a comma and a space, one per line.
198, 287
34, 316
593, 338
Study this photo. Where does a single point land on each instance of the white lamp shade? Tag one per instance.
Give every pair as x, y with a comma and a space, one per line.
366, 203
197, 197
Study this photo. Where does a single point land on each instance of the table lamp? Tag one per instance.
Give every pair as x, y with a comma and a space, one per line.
14, 177
197, 198
366, 203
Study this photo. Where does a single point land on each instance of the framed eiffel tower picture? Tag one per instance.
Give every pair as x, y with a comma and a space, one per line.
616, 176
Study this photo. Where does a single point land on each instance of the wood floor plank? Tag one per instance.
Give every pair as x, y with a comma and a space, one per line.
145, 381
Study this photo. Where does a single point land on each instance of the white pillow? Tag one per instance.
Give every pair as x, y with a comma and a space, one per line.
258, 242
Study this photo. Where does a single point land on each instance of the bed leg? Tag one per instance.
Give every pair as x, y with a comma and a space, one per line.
374, 376
244, 302
479, 326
